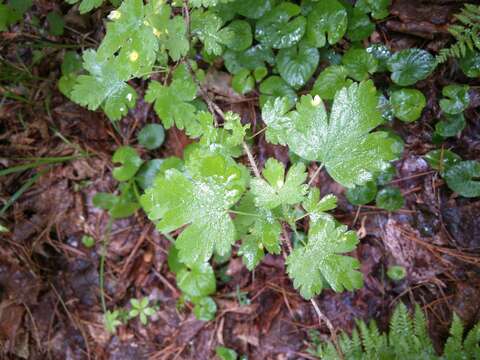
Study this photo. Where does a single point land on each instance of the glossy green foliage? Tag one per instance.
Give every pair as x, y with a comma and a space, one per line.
12, 11
410, 65
390, 199
150, 169
331, 80
71, 68
441, 160
297, 64
197, 281
275, 87
342, 142
85, 5
378, 8
320, 262
359, 64
152, 136
450, 125
408, 104
327, 21
243, 81
224, 353
362, 194
118, 206
282, 27
199, 198
470, 64
456, 99
464, 178
130, 163
407, 338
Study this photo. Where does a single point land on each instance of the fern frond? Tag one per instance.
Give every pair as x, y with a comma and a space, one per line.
466, 33
471, 345
454, 342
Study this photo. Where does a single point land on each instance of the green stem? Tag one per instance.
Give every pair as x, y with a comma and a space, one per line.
102, 265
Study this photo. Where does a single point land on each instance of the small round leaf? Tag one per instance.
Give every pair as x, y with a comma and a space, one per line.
152, 136
361, 195
327, 19
331, 80
297, 64
243, 82
359, 63
456, 99
205, 309
441, 159
408, 104
451, 125
411, 65
464, 178
396, 272
390, 199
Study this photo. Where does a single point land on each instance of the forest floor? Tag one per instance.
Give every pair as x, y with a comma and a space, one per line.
49, 281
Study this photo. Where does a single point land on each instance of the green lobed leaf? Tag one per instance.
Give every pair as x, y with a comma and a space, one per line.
278, 189
173, 103
321, 260
410, 65
206, 26
317, 207
351, 154
237, 35
86, 5
463, 178
282, 27
200, 199
396, 272
297, 64
408, 104
456, 99
150, 169
327, 20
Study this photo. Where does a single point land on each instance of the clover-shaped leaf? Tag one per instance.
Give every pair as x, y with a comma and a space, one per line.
408, 104
410, 65
130, 160
456, 99
297, 64
282, 27
327, 20
464, 178
378, 8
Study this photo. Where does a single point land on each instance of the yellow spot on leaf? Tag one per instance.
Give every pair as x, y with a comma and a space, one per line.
316, 101
115, 15
133, 56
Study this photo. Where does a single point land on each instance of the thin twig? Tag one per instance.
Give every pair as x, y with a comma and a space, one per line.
333, 333
251, 159
315, 175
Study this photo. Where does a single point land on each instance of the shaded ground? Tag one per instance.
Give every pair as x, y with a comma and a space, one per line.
49, 305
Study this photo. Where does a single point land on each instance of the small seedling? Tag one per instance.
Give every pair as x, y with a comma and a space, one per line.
88, 241
141, 309
396, 272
